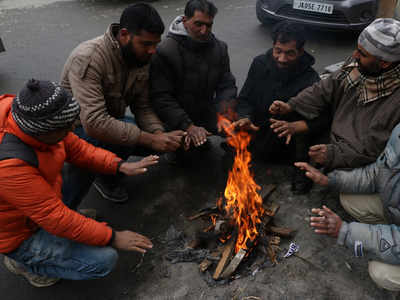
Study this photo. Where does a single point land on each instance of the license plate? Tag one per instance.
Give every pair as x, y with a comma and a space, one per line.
313, 6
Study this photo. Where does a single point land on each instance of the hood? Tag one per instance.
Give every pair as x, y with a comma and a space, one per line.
177, 28
391, 155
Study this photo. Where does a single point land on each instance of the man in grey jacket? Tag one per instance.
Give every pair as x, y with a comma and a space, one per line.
107, 74
361, 96
383, 177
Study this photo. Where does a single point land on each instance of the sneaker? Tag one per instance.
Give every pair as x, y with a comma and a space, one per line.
111, 191
88, 212
33, 279
301, 184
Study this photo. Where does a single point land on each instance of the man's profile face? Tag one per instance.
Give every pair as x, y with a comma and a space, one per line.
199, 26
137, 49
286, 54
368, 64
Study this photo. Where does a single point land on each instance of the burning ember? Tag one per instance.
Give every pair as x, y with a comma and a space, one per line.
243, 203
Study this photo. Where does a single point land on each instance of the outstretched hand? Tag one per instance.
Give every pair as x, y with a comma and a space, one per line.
131, 241
279, 108
314, 174
245, 124
283, 129
138, 167
327, 221
319, 153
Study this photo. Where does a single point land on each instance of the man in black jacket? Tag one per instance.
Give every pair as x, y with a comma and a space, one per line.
190, 75
281, 73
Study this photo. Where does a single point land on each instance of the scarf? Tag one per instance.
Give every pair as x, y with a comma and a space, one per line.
369, 88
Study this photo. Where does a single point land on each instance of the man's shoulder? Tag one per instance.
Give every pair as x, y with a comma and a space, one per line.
89, 48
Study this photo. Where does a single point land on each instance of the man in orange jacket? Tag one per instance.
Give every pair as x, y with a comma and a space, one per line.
43, 238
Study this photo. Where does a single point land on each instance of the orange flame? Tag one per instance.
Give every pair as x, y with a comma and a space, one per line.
243, 202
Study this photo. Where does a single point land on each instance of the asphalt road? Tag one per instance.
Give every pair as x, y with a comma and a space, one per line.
39, 36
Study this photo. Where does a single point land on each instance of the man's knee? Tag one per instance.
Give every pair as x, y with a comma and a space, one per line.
385, 275
107, 258
364, 208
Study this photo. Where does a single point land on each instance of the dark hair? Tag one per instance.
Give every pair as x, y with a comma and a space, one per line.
141, 16
204, 6
285, 32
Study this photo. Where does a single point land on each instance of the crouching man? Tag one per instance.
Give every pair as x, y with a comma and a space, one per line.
381, 177
42, 238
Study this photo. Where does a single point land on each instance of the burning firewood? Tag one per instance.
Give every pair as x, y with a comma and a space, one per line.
226, 255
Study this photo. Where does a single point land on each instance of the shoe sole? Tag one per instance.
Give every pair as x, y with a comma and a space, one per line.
10, 267
108, 197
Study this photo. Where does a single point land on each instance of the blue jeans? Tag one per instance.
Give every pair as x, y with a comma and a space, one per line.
77, 181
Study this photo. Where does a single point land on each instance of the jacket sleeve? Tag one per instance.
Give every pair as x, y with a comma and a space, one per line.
358, 181
381, 240
24, 188
81, 153
85, 77
163, 93
141, 107
317, 99
226, 88
342, 155
244, 106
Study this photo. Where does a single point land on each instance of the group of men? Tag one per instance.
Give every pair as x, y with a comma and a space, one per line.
56, 139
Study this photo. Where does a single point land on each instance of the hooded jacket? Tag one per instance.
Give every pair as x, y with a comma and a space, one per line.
188, 79
383, 177
96, 74
31, 181
266, 83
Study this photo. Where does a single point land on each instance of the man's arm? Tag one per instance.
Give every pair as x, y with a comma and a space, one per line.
24, 188
226, 89
142, 109
163, 94
86, 86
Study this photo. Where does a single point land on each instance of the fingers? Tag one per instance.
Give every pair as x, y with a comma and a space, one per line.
316, 148
254, 127
288, 139
303, 166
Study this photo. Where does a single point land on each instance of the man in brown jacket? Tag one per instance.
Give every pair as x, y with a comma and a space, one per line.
107, 74
363, 97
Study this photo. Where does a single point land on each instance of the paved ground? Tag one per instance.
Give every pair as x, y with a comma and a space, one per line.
39, 36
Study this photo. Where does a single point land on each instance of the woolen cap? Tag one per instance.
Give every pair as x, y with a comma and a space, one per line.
44, 106
382, 39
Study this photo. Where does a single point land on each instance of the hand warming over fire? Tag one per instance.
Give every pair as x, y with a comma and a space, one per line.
327, 223
139, 167
319, 153
197, 135
279, 108
131, 241
288, 129
244, 124
312, 173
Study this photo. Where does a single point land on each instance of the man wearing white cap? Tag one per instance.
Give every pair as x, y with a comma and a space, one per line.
363, 97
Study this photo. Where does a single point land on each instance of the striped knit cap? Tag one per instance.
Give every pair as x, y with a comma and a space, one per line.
382, 39
44, 106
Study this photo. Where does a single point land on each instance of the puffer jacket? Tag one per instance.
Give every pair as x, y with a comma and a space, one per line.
381, 177
104, 86
31, 181
190, 79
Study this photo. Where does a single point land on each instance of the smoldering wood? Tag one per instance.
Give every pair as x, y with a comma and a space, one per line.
267, 191
204, 212
271, 208
281, 231
204, 265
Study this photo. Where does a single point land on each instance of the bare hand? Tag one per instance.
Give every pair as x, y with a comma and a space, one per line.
319, 153
245, 124
327, 223
131, 241
167, 141
197, 135
279, 108
283, 129
312, 173
223, 125
139, 167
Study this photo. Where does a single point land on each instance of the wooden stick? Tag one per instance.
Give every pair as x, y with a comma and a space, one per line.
236, 260
226, 255
267, 191
204, 212
271, 209
281, 231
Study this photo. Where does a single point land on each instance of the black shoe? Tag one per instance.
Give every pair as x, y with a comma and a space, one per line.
110, 190
301, 184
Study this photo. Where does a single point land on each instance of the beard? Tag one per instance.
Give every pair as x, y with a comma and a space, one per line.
374, 70
130, 58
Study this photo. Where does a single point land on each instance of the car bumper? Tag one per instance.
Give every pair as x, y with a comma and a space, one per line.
347, 14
